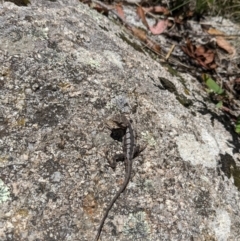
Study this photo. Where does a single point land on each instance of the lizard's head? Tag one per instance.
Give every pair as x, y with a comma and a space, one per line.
116, 122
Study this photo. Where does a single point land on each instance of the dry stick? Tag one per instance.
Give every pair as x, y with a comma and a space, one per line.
170, 51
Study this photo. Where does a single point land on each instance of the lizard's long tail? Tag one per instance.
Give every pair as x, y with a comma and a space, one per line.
124, 185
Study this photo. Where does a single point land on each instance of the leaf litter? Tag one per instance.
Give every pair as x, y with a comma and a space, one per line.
207, 47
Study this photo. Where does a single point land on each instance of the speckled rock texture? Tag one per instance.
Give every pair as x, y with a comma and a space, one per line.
63, 71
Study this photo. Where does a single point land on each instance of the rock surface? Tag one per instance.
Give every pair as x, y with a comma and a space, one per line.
63, 70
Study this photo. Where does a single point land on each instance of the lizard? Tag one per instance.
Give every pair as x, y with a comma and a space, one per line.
130, 150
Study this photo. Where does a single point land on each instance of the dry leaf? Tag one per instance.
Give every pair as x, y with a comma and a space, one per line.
153, 46
221, 41
140, 34
159, 27
224, 44
157, 9
160, 9
214, 31
188, 49
203, 56
141, 14
209, 56
119, 10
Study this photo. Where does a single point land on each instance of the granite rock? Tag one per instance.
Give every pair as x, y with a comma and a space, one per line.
63, 70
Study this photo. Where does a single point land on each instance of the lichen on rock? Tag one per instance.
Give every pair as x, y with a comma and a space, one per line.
4, 192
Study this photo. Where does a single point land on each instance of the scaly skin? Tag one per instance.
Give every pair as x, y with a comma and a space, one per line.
129, 151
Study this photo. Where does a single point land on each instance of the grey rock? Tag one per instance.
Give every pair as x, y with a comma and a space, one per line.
56, 177
63, 70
